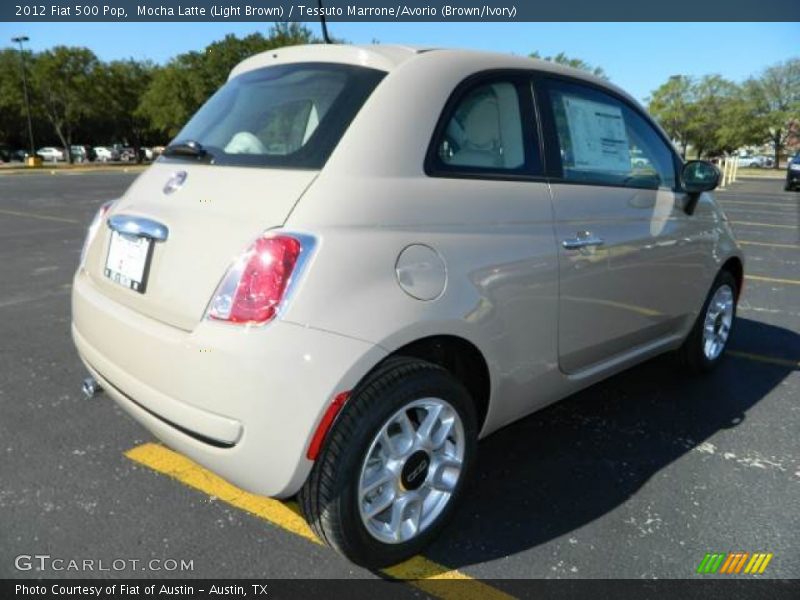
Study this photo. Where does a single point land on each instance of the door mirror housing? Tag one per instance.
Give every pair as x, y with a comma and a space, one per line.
698, 176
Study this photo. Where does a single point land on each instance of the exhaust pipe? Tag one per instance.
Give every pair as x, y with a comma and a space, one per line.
90, 387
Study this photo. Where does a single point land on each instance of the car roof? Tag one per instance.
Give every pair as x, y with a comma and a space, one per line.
388, 57
376, 56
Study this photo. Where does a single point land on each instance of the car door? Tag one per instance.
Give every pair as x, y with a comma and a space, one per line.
625, 251
493, 226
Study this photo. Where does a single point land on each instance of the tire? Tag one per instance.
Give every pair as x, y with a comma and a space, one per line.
698, 353
332, 498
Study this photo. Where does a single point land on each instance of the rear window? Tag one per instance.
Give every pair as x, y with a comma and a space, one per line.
289, 116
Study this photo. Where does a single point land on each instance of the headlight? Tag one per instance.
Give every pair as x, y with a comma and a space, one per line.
97, 221
795, 166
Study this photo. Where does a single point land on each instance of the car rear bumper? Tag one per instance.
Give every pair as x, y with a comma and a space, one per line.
243, 402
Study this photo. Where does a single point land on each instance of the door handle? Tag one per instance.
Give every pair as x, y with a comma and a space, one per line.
583, 239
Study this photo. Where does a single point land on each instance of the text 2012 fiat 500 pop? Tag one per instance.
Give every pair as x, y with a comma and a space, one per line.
353, 262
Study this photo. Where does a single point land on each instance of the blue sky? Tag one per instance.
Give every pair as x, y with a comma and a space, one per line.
636, 56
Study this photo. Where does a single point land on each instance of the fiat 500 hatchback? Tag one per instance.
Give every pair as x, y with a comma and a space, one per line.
354, 262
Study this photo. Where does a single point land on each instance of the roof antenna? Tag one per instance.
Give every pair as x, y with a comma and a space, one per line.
325, 35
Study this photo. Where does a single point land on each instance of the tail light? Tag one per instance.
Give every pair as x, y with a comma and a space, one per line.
259, 280
97, 221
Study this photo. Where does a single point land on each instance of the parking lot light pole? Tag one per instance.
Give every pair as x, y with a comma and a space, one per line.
19, 40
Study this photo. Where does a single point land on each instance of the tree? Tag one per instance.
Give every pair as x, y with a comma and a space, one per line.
738, 127
774, 101
185, 83
64, 86
173, 94
123, 83
12, 104
672, 104
293, 34
711, 96
575, 63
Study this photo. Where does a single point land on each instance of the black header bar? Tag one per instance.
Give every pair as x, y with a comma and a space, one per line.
388, 10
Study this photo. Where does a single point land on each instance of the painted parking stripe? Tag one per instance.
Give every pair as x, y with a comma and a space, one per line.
769, 245
29, 215
791, 204
426, 575
763, 210
773, 279
752, 224
772, 360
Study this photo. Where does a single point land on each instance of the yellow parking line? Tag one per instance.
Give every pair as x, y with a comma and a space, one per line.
36, 216
428, 576
781, 362
751, 224
748, 243
773, 279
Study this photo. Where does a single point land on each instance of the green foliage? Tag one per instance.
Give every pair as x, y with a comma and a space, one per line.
673, 105
715, 115
575, 63
773, 102
12, 105
181, 87
75, 98
712, 95
121, 85
63, 83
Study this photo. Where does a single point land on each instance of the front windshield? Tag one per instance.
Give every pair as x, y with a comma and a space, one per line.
284, 116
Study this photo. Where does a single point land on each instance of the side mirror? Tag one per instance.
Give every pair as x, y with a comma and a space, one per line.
698, 176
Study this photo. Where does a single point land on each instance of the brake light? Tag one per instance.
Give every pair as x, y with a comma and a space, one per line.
94, 227
255, 284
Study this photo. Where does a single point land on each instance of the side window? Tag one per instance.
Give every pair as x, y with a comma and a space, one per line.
602, 140
484, 132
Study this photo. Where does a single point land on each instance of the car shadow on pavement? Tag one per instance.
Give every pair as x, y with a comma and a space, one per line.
567, 465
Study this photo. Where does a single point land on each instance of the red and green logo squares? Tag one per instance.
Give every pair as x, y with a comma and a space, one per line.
732, 563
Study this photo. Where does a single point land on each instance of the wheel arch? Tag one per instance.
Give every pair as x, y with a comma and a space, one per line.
457, 355
735, 267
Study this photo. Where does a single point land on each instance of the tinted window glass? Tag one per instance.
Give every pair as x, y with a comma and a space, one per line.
484, 132
287, 115
602, 140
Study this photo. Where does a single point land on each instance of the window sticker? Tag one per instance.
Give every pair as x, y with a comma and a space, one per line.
597, 134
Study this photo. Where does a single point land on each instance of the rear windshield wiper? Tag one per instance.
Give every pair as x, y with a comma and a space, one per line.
188, 148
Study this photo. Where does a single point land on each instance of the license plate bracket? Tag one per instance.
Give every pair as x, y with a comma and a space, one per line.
128, 260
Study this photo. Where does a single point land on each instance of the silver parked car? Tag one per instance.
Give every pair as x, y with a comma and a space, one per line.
354, 262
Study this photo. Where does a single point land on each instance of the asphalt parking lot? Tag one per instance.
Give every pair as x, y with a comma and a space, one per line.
637, 477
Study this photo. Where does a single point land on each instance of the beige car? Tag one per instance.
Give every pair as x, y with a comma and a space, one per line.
354, 262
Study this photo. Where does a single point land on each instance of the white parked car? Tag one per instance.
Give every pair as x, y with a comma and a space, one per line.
105, 154
51, 153
354, 262
754, 162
